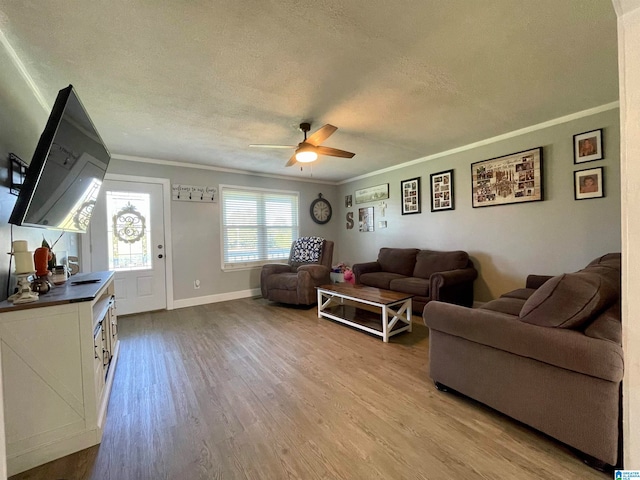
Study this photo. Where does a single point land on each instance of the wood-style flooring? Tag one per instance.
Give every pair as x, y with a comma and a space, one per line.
249, 389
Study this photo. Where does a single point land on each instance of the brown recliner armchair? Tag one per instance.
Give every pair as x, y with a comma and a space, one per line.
295, 282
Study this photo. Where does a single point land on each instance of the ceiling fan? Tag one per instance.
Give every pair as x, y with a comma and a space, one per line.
308, 150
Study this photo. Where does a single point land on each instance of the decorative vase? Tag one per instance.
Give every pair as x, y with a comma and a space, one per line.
41, 261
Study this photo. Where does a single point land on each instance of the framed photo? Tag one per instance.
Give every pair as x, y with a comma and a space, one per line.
348, 201
514, 178
365, 219
588, 183
410, 191
587, 146
442, 191
371, 194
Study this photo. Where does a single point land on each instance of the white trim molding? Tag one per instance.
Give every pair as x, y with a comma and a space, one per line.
168, 244
171, 163
489, 141
220, 297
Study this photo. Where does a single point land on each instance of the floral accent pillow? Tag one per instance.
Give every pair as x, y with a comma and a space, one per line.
307, 250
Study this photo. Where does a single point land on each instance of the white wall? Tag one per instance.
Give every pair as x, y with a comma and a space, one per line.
22, 119
196, 227
629, 66
506, 242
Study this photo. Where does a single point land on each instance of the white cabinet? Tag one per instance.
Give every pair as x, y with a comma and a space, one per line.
58, 360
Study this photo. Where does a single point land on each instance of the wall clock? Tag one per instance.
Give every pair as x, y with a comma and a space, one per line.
320, 210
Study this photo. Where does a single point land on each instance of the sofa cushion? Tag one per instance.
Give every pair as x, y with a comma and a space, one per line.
379, 279
521, 293
306, 250
569, 300
413, 285
607, 325
608, 272
429, 262
397, 260
613, 259
509, 305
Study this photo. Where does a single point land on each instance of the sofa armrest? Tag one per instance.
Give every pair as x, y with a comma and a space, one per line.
316, 271
569, 349
274, 268
450, 278
536, 281
453, 286
362, 268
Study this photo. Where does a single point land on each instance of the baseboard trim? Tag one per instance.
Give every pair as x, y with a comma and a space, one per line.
220, 297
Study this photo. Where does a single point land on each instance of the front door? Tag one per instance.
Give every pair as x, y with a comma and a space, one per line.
127, 236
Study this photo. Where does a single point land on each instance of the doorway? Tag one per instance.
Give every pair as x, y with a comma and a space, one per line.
129, 234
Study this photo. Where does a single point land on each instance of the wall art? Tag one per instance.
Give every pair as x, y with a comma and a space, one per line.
514, 178
371, 194
348, 201
442, 191
588, 147
365, 219
410, 191
588, 183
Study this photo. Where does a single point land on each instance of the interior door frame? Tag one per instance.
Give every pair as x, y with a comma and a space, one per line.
168, 245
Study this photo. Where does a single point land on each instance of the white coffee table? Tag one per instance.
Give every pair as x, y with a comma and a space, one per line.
395, 307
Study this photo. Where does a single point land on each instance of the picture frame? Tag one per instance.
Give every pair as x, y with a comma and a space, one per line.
588, 183
365, 219
372, 194
348, 201
410, 192
442, 195
513, 178
588, 146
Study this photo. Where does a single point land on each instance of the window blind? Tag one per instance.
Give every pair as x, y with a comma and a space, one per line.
258, 225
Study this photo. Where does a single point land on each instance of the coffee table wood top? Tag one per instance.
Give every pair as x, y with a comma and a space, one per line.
370, 294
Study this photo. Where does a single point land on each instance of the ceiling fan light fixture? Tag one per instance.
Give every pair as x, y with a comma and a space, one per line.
306, 155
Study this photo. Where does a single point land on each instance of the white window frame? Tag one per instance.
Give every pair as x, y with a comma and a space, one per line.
255, 263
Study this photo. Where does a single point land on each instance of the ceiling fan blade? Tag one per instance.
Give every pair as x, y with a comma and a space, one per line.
292, 161
334, 152
321, 135
272, 146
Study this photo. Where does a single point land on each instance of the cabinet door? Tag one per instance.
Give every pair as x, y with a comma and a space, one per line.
113, 325
98, 360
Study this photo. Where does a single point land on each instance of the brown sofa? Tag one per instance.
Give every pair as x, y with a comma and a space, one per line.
427, 274
548, 355
295, 282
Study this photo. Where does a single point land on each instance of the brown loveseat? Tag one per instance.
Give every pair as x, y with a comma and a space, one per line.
548, 355
427, 274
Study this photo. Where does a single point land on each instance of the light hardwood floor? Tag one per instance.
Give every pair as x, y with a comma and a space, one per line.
248, 389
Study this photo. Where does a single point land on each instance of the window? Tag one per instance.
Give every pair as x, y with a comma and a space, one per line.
258, 225
129, 230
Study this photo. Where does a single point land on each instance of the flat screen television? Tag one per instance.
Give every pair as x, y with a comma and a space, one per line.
68, 166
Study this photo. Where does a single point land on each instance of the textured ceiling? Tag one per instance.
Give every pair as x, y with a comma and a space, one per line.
198, 81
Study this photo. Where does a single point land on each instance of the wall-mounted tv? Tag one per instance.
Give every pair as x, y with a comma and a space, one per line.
65, 174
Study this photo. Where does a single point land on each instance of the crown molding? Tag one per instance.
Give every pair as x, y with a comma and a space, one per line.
171, 163
516, 133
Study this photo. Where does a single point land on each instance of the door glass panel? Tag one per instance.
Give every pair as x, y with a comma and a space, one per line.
129, 230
